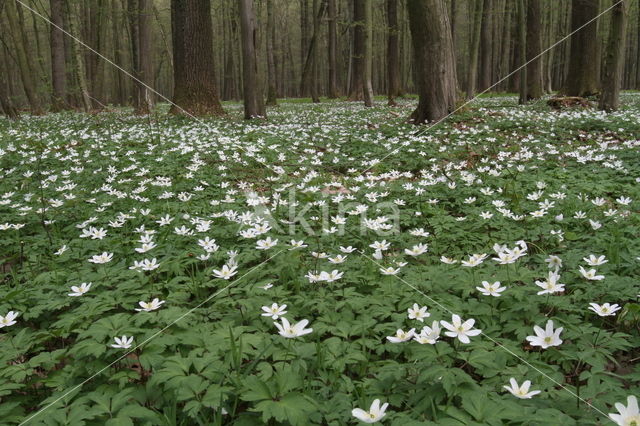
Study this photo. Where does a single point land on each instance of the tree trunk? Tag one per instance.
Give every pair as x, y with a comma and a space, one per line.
193, 69
638, 50
614, 59
253, 101
271, 65
522, 50
309, 80
484, 80
142, 52
24, 59
356, 86
393, 57
582, 77
333, 43
534, 49
368, 54
6, 106
472, 72
78, 58
58, 66
434, 60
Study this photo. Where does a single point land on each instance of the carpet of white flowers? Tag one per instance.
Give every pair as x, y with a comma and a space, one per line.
331, 265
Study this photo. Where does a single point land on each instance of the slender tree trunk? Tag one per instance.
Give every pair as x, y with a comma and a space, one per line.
534, 48
333, 52
356, 86
6, 105
308, 83
58, 65
484, 80
472, 72
24, 59
582, 77
614, 59
393, 56
522, 50
193, 69
141, 49
253, 101
368, 54
637, 86
434, 60
271, 65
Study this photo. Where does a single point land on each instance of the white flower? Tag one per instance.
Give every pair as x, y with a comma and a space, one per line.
591, 274
266, 243
428, 335
150, 306
604, 310
375, 413
547, 337
123, 342
551, 284
226, 272
274, 311
101, 258
297, 244
491, 289
521, 392
330, 276
401, 336
416, 250
595, 261
629, 415
61, 250
390, 270
380, 245
554, 262
79, 291
266, 286
290, 331
459, 329
447, 260
418, 313
9, 319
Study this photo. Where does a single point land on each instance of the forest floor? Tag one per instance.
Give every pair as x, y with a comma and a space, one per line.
376, 232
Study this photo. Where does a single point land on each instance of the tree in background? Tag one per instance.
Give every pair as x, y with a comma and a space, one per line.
356, 85
58, 63
534, 49
253, 101
393, 54
271, 65
614, 59
193, 73
472, 74
434, 60
142, 54
333, 49
582, 77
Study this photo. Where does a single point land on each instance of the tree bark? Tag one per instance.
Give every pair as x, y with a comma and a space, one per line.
58, 65
583, 63
522, 51
484, 80
393, 56
253, 101
472, 72
142, 52
271, 65
333, 54
534, 48
368, 54
194, 77
24, 60
614, 59
434, 60
356, 85
637, 86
